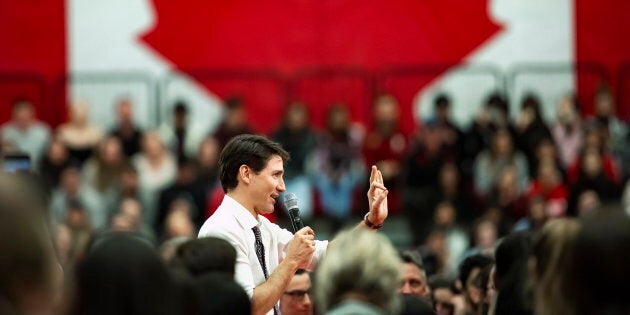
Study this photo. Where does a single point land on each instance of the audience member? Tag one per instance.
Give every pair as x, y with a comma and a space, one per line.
205, 255
567, 130
234, 122
600, 264
29, 273
78, 134
337, 165
422, 170
297, 137
491, 162
445, 297
414, 279
181, 135
510, 278
296, 299
25, 132
385, 145
72, 191
185, 188
530, 127
123, 275
468, 270
360, 274
103, 171
157, 169
55, 160
126, 129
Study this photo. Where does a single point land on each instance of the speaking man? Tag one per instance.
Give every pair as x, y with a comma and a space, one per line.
250, 170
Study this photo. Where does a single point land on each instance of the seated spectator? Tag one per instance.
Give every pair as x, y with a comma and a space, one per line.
296, 136
594, 141
493, 116
468, 270
337, 165
157, 169
422, 171
207, 164
180, 135
453, 137
490, 163
536, 216
552, 252
456, 239
129, 219
123, 275
601, 265
178, 221
126, 129
187, 188
567, 130
55, 160
103, 171
296, 299
73, 191
548, 185
359, 275
385, 145
507, 198
614, 130
25, 132
414, 278
234, 122
484, 238
530, 127
592, 177
78, 134
446, 300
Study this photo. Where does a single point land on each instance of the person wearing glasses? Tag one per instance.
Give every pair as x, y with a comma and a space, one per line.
296, 299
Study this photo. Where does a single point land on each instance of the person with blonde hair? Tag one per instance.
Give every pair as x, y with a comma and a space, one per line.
360, 274
551, 256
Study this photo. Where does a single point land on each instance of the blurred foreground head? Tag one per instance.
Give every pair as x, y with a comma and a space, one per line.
360, 269
28, 269
601, 263
122, 274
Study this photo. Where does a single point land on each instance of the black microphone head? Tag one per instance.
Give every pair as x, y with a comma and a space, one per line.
290, 201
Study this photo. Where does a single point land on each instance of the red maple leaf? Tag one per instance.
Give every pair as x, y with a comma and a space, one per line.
290, 35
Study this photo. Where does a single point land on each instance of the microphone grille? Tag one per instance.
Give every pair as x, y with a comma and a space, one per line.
290, 201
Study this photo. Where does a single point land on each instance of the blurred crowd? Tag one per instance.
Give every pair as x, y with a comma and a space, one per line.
503, 214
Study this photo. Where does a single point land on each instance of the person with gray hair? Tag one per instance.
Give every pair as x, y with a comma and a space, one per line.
360, 274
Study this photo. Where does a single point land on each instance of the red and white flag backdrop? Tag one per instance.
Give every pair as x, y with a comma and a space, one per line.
331, 46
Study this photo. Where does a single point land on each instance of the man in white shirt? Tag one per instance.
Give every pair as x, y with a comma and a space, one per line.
251, 169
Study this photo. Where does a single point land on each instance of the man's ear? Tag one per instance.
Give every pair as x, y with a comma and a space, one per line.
244, 174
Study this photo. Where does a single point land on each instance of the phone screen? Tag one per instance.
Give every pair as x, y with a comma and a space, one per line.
16, 163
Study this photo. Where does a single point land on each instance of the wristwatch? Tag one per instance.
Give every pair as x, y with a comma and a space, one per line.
370, 224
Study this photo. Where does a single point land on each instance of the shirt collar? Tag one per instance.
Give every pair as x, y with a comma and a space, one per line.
242, 215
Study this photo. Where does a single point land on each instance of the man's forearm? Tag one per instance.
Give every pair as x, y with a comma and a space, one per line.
269, 292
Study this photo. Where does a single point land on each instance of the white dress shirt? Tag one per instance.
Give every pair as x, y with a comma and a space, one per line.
232, 222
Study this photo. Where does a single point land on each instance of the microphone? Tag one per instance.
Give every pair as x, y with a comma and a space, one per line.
291, 204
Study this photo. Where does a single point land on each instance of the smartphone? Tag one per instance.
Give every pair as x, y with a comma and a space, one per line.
14, 163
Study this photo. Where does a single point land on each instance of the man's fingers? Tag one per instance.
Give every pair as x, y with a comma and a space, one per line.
373, 173
305, 231
378, 185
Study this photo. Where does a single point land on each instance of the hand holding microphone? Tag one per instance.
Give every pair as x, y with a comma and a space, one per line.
302, 246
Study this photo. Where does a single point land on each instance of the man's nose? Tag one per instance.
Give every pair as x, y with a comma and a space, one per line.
281, 187
307, 299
